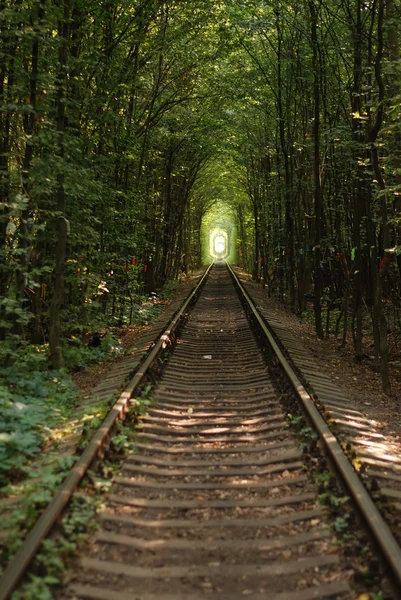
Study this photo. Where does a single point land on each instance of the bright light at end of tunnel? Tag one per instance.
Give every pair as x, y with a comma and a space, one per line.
218, 244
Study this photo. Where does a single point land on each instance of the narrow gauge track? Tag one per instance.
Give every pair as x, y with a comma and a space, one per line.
216, 499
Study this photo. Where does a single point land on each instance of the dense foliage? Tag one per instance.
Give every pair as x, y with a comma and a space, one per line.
128, 127
105, 113
322, 151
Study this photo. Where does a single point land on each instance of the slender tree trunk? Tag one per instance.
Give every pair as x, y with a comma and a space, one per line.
167, 218
7, 79
359, 189
391, 19
56, 355
255, 268
289, 224
29, 123
380, 320
316, 174
377, 278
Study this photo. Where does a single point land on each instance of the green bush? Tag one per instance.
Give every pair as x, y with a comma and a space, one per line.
78, 355
31, 402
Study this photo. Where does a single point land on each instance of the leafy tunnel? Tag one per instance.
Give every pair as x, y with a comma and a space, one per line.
142, 139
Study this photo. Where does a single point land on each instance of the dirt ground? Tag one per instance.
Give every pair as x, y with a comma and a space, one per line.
360, 383
87, 379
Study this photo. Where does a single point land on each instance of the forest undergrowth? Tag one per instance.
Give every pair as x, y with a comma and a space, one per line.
38, 402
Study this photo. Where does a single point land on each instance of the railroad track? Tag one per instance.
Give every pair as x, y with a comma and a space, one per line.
216, 502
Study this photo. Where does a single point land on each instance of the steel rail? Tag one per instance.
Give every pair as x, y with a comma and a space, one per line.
25, 554
373, 519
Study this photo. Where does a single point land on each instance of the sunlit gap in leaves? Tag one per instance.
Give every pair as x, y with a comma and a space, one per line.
219, 233
218, 246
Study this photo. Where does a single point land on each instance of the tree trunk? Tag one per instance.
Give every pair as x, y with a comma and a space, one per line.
316, 175
255, 268
56, 355
29, 123
7, 60
167, 218
359, 190
289, 224
380, 321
